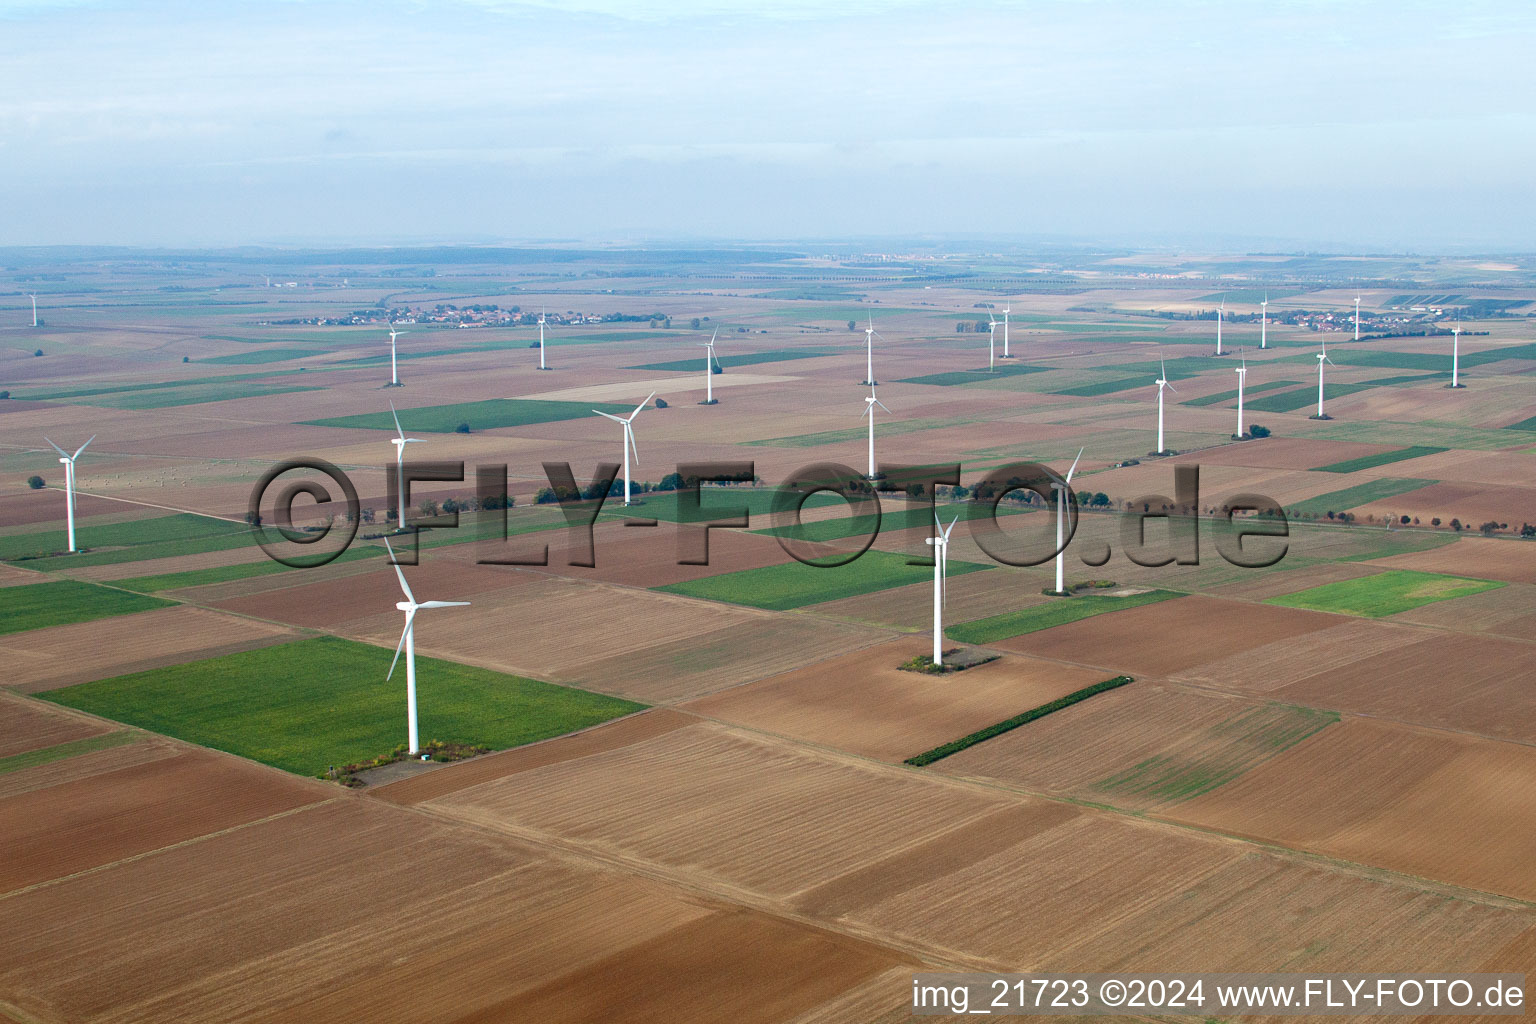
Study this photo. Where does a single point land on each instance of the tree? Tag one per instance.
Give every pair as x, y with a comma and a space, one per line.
38, 352
1456, 525
661, 403
462, 428
35, 482
1405, 520
853, 325
186, 359
694, 323
1254, 430
428, 507
1527, 530
1435, 521
367, 514
1099, 500
1490, 527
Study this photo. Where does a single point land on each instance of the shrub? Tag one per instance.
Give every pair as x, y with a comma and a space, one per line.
1435, 521
661, 403
1405, 520
186, 359
35, 482
1254, 430
38, 352
1490, 527
1527, 530
1456, 525
5, 394
462, 428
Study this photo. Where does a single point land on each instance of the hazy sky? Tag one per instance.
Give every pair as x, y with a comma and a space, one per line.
1395, 125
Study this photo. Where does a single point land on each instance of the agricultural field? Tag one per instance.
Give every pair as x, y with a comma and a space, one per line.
705, 772
312, 704
1385, 593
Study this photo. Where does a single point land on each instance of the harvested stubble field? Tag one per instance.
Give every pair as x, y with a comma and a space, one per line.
66, 655
1483, 557
864, 704
1395, 796
1510, 611
1140, 746
1473, 504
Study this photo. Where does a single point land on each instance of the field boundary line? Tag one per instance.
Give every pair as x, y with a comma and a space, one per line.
162, 849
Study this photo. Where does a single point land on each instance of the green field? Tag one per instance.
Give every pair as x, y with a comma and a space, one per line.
58, 602
167, 398
887, 429
1218, 754
228, 573
1094, 389
901, 518
740, 359
1362, 494
794, 585
308, 705
264, 355
1058, 611
1386, 593
1231, 396
58, 394
1379, 459
1290, 401
956, 377
487, 415
110, 544
714, 503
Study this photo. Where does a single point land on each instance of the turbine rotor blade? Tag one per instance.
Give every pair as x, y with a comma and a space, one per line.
410, 617
403, 585
642, 405
399, 430
443, 604
56, 448
611, 416
83, 447
1074, 464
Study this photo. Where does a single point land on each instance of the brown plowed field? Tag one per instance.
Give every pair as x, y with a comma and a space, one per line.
646, 556
175, 563
30, 507
1281, 453
1473, 504
46, 659
726, 805
1479, 557
864, 704
86, 823
1444, 806
355, 910
729, 655
29, 725
10, 576
1260, 584
1171, 636
1509, 611
83, 766
329, 603
550, 626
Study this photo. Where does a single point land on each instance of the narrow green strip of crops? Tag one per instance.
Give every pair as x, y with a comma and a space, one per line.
1056, 613
58, 752
1379, 459
955, 746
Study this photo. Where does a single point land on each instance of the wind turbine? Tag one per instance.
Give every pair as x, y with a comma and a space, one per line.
541, 345
1221, 312
1357, 316
1061, 526
709, 368
408, 641
400, 441
1264, 322
1322, 357
869, 410
69, 485
991, 342
34, 308
1242, 378
870, 334
1456, 354
394, 376
940, 542
629, 438
1162, 382
1006, 310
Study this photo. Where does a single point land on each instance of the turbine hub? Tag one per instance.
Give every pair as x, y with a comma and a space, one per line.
405, 606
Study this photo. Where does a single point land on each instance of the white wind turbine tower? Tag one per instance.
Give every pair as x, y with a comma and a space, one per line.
1456, 354
408, 641
394, 376
1322, 357
629, 438
709, 368
1242, 379
1006, 310
400, 441
541, 345
1221, 312
1264, 322
1162, 382
34, 308
1061, 526
69, 485
991, 342
869, 410
940, 542
1357, 316
870, 334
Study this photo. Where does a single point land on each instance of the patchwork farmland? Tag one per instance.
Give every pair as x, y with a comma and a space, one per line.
647, 771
